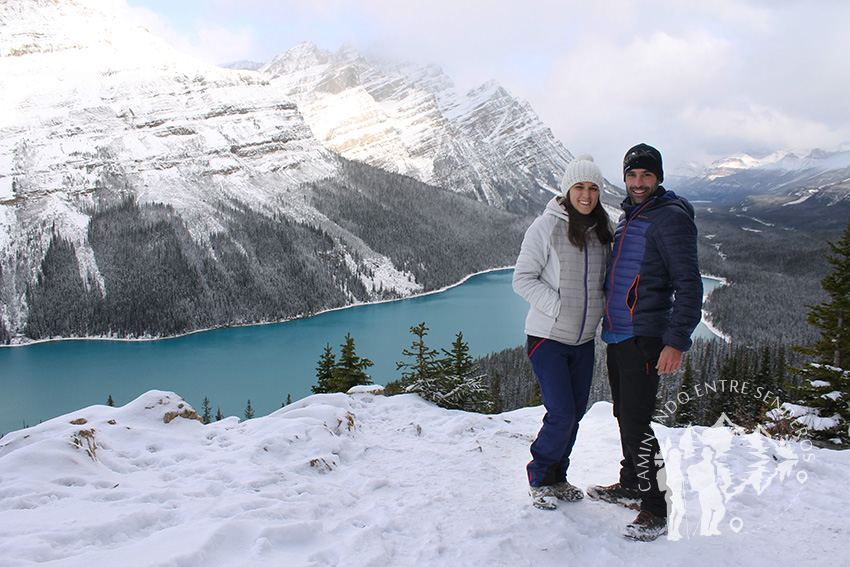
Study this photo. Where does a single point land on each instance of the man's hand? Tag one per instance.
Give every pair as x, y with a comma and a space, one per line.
669, 360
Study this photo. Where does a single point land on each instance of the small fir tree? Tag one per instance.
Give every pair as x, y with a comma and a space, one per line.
110, 402
325, 372
686, 407
418, 375
461, 385
249, 411
753, 407
350, 371
721, 399
496, 391
825, 387
206, 417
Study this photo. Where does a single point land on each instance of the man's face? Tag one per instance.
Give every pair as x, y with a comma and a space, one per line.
641, 184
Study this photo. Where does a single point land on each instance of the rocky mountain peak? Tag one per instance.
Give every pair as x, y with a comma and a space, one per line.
412, 119
303, 56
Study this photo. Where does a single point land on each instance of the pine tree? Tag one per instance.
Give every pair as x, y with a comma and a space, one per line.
110, 402
721, 399
833, 317
754, 406
249, 411
206, 417
496, 391
460, 385
825, 388
536, 396
350, 371
325, 372
218, 415
419, 375
686, 410
781, 368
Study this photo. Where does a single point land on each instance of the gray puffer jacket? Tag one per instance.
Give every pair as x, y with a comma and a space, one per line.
563, 284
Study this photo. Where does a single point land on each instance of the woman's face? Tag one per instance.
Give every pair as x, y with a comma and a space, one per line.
584, 196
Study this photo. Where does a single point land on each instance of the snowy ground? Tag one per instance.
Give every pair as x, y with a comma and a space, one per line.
366, 480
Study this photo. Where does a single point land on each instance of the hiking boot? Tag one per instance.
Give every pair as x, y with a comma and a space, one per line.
646, 527
543, 497
567, 492
616, 494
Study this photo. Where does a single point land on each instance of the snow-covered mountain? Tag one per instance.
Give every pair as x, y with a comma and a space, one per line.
360, 479
128, 169
804, 192
413, 120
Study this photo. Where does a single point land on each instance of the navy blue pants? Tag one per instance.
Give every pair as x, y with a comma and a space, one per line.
564, 373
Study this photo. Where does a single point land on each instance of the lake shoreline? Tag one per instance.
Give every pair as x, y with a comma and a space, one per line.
31, 342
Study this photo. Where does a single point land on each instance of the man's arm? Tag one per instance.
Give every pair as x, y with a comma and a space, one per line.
678, 239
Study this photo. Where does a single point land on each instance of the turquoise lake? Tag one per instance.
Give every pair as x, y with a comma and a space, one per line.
263, 363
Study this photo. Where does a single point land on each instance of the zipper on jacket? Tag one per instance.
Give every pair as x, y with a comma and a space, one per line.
631, 297
617, 258
584, 317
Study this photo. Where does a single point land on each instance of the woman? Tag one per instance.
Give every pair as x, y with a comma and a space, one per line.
560, 271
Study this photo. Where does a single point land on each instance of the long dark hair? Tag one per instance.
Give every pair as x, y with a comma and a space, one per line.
580, 224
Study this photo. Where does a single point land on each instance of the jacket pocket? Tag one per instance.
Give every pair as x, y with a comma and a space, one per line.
632, 297
532, 343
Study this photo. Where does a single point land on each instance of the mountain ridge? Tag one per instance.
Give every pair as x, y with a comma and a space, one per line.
483, 143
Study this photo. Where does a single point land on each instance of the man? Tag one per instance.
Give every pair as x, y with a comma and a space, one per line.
653, 295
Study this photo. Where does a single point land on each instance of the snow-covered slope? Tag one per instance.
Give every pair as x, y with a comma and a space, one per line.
366, 480
411, 119
92, 102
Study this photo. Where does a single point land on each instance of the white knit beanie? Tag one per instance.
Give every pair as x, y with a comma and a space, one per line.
581, 169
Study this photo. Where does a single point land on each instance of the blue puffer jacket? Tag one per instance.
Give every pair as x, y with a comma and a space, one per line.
655, 258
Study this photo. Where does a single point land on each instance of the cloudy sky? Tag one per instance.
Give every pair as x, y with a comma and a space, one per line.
699, 80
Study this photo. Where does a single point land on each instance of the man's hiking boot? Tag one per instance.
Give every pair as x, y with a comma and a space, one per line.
646, 527
616, 494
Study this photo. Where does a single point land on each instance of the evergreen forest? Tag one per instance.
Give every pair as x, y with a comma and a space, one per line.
156, 280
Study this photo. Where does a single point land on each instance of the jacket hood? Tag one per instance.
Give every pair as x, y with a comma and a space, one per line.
553, 207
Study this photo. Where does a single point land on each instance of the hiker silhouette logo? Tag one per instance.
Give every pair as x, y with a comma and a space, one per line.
719, 477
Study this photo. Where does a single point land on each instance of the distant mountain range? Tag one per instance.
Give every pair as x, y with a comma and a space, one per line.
811, 192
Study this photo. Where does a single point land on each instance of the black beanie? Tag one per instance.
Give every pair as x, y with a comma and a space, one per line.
646, 157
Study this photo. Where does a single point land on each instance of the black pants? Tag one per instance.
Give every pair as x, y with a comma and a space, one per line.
634, 385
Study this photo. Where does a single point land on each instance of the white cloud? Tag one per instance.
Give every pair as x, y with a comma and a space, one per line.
696, 79
752, 125
207, 40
